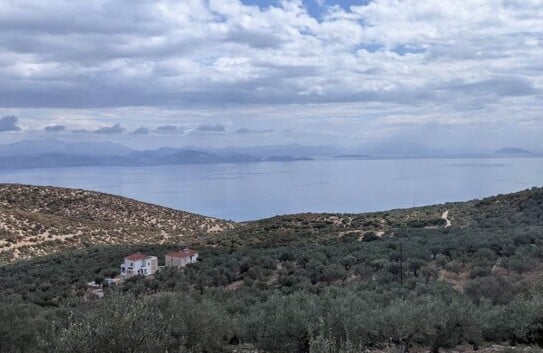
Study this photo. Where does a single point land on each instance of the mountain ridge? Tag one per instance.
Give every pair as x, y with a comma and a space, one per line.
53, 153
57, 154
512, 151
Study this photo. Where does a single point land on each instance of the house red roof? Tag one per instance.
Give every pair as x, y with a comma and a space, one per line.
182, 253
136, 256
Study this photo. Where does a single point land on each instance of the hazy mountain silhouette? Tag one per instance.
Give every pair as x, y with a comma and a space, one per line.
512, 151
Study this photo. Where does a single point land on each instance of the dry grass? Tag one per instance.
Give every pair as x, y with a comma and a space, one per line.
42, 220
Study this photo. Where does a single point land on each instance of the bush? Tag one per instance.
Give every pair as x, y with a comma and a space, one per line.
480, 272
496, 289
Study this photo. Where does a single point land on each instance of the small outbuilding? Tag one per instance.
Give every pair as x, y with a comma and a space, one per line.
181, 258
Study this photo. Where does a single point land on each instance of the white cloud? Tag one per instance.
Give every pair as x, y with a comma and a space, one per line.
440, 62
115, 129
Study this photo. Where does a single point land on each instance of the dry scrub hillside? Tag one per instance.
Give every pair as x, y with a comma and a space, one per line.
41, 220
520, 209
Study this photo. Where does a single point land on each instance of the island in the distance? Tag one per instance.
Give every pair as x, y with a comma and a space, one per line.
57, 154
287, 159
352, 156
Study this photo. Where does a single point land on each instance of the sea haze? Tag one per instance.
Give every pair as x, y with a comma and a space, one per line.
251, 191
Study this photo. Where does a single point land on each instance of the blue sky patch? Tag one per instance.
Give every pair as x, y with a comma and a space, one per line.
314, 7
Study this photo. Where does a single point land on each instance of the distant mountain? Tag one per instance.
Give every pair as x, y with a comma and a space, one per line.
287, 159
400, 149
512, 151
283, 150
51, 146
57, 154
57, 160
199, 157
352, 156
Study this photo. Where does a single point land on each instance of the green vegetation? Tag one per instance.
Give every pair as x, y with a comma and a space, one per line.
303, 283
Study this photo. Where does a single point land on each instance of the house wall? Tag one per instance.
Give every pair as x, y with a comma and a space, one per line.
153, 267
172, 261
145, 267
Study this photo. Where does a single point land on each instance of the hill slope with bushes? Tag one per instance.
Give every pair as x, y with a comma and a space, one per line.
36, 220
463, 276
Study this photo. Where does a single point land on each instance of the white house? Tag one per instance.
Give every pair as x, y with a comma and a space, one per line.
138, 264
181, 258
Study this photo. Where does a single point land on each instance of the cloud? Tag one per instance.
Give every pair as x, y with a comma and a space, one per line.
115, 129
141, 131
213, 53
167, 129
54, 128
9, 123
211, 128
357, 68
245, 131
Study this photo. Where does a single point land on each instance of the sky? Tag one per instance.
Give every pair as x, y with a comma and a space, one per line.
453, 74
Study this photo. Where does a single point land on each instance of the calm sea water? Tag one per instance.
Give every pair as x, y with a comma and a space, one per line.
258, 190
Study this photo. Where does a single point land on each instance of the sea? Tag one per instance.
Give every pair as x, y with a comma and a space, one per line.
243, 192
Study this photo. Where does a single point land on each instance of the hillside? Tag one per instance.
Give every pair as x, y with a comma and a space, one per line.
420, 279
511, 211
37, 221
